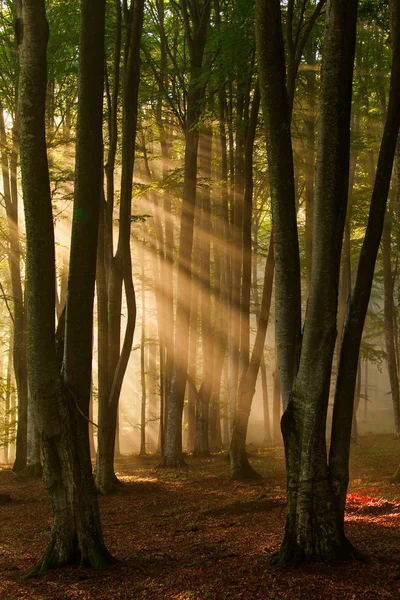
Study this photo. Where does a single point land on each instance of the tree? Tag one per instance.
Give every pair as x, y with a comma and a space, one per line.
61, 403
196, 36
316, 492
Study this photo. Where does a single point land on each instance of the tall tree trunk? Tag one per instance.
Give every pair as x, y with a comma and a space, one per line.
61, 406
142, 451
120, 267
240, 466
196, 35
201, 445
358, 301
10, 191
389, 316
311, 530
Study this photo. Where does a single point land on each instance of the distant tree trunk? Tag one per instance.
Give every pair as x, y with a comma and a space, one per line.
142, 451
201, 445
192, 370
240, 466
277, 405
10, 192
366, 397
389, 316
357, 396
152, 387
196, 36
266, 417
119, 267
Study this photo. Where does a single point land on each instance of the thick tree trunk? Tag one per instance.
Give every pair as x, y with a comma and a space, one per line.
33, 463
60, 414
277, 405
277, 114
311, 530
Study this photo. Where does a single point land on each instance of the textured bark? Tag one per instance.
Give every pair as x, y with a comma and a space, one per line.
358, 301
76, 530
277, 112
33, 463
311, 529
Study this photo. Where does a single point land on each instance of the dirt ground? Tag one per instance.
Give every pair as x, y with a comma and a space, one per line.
194, 535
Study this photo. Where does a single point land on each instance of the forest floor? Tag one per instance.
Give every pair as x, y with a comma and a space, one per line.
193, 534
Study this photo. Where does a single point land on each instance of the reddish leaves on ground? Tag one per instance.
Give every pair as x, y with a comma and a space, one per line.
194, 535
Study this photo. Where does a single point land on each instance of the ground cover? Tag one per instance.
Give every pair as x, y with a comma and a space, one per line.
194, 535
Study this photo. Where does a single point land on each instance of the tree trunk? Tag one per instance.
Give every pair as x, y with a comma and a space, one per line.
142, 451
311, 529
277, 405
201, 445
389, 316
10, 191
240, 466
119, 268
60, 412
196, 36
33, 465
358, 302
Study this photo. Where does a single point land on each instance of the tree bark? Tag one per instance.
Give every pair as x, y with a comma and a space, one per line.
76, 529
358, 301
311, 530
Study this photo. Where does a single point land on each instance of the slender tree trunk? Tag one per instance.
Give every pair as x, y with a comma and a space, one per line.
201, 445
240, 466
196, 38
192, 370
142, 360
389, 316
277, 405
358, 301
10, 191
120, 267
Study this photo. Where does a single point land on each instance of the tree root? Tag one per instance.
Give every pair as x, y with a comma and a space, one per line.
243, 471
291, 554
172, 462
97, 558
34, 471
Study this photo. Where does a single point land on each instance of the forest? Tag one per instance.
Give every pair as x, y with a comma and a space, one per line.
199, 299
